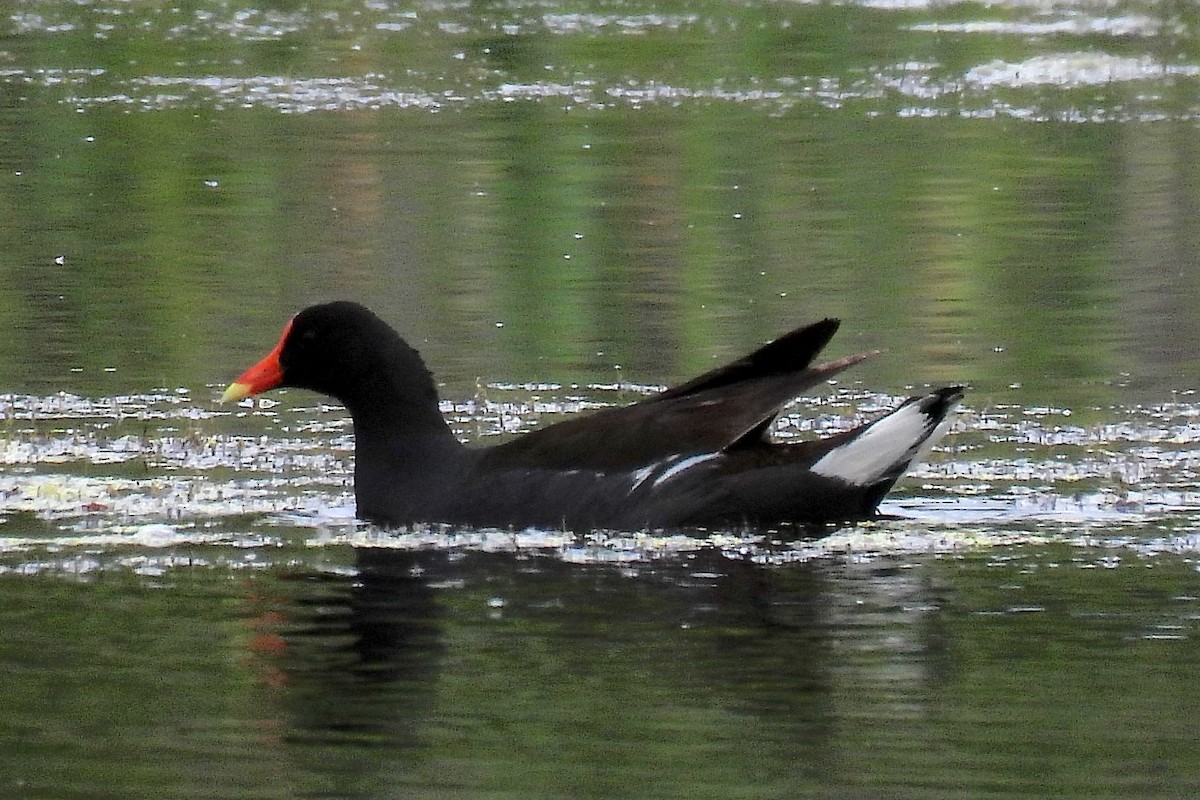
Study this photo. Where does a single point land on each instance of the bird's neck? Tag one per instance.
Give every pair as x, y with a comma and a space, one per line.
396, 410
404, 451
401, 471
393, 399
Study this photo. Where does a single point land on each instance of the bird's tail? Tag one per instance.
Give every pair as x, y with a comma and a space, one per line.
878, 453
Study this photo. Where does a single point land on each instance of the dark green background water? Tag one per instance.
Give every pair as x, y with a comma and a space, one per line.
547, 200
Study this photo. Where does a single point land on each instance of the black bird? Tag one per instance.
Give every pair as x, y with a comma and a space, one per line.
696, 455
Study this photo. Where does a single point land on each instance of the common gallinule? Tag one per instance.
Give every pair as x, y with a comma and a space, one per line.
698, 454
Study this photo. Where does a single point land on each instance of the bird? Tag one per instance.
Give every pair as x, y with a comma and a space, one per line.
698, 455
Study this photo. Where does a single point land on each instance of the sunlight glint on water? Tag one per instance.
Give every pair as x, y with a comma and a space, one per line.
176, 471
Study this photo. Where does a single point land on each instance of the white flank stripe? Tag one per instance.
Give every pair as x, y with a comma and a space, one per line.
864, 459
686, 464
640, 476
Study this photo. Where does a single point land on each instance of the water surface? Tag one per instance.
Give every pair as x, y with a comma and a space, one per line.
565, 207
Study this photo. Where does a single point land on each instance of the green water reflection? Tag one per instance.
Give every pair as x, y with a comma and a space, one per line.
570, 194
171, 246
1013, 674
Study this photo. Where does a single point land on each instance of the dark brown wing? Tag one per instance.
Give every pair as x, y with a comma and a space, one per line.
786, 355
724, 408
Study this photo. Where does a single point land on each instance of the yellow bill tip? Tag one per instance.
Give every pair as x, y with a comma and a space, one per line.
235, 392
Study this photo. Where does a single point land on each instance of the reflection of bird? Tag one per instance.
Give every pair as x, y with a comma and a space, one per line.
695, 455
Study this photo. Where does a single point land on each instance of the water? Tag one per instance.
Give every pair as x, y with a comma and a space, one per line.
566, 207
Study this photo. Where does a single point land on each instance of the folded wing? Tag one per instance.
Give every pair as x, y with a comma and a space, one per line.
725, 408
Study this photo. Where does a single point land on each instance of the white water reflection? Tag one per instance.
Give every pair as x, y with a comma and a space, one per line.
1073, 45
1074, 70
1076, 25
967, 95
1069, 46
159, 471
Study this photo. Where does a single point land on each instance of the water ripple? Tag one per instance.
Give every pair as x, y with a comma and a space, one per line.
161, 470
